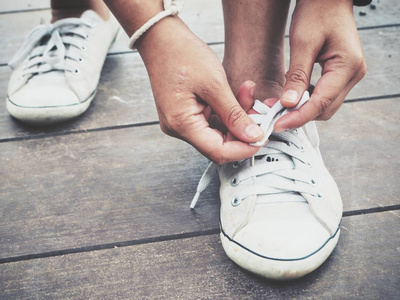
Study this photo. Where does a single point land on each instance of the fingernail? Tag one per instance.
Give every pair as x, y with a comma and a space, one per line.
290, 96
253, 131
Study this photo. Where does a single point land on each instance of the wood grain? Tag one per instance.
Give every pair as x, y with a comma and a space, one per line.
364, 265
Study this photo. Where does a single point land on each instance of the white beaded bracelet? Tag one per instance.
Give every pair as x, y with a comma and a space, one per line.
171, 8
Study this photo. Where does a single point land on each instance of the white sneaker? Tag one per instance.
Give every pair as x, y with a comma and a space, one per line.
280, 210
57, 69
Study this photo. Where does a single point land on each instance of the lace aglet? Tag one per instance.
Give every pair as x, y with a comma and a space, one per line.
194, 201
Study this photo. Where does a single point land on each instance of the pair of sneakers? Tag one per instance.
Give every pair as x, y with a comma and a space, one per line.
281, 209
57, 69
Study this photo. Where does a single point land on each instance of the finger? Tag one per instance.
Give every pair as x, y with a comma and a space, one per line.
245, 95
225, 105
246, 101
303, 54
216, 123
330, 90
215, 146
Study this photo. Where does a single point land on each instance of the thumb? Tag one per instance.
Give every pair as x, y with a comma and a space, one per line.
234, 117
245, 95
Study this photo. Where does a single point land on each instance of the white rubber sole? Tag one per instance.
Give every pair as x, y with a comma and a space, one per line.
277, 269
48, 114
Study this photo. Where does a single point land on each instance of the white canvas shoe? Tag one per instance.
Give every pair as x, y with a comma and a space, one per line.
57, 69
280, 210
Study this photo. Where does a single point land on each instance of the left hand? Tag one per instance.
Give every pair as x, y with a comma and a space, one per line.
321, 31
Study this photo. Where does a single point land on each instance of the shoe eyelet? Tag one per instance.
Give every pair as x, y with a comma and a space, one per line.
87, 37
295, 131
313, 182
80, 59
235, 164
319, 196
77, 71
234, 181
236, 201
83, 48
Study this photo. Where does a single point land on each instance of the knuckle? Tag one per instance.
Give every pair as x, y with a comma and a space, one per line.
322, 104
362, 70
324, 116
218, 158
170, 125
357, 63
215, 83
166, 129
356, 57
235, 115
298, 76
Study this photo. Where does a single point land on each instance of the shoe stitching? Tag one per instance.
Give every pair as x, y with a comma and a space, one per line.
281, 259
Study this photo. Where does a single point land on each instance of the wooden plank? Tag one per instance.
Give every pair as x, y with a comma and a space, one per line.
359, 145
125, 96
85, 189
382, 57
365, 265
7, 6
94, 188
203, 17
385, 12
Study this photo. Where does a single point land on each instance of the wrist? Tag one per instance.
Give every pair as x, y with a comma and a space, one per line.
133, 14
158, 43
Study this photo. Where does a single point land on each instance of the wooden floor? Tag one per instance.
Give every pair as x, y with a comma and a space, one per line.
98, 208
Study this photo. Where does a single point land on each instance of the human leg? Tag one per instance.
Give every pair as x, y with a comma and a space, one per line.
254, 44
281, 209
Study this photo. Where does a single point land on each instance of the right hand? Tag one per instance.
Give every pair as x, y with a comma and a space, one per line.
189, 84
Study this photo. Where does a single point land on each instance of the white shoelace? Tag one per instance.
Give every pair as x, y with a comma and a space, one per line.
286, 179
52, 54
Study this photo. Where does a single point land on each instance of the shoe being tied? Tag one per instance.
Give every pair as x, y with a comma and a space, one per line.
57, 69
281, 209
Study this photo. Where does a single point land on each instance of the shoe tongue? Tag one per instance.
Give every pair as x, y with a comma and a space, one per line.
92, 15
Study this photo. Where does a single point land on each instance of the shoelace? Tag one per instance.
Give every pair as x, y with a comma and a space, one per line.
51, 56
286, 179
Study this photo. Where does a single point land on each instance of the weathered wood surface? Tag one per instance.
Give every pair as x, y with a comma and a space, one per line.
117, 185
365, 265
8, 6
67, 191
85, 189
203, 17
125, 96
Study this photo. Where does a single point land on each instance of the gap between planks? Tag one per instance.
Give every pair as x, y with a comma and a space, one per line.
144, 124
163, 238
221, 43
